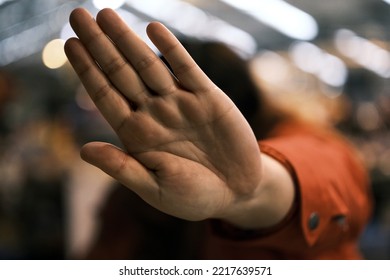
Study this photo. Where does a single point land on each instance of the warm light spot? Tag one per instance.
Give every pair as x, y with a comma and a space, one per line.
53, 54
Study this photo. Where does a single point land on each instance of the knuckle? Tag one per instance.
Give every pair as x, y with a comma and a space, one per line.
83, 67
145, 63
121, 35
121, 167
83, 70
184, 68
167, 90
101, 93
94, 38
171, 48
114, 66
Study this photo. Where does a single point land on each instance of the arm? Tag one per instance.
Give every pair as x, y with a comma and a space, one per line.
188, 151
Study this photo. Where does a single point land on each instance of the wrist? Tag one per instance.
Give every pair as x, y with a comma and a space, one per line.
270, 201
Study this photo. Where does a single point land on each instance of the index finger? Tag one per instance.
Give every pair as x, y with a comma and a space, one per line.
189, 74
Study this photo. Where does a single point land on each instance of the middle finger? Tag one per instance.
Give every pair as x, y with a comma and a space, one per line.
109, 59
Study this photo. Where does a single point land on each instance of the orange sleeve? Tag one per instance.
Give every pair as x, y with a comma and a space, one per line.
332, 206
332, 184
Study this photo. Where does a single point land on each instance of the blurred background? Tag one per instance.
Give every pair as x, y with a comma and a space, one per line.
330, 59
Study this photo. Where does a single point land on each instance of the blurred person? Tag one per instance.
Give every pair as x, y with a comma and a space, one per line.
268, 185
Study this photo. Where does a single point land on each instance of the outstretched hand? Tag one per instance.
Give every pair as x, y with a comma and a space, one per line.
188, 151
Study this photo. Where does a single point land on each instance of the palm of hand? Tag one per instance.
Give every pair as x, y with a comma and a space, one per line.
189, 151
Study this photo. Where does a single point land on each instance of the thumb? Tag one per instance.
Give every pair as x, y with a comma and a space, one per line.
121, 166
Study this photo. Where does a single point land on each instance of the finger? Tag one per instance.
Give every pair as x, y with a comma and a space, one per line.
184, 67
122, 167
112, 105
113, 64
152, 70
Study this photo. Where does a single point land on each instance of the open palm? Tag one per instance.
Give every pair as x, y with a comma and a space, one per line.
188, 150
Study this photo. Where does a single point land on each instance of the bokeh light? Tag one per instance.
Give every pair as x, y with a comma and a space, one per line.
53, 55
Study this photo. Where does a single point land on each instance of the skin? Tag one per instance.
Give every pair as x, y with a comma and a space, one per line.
187, 150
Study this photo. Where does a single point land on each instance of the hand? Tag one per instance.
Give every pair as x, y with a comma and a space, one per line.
188, 150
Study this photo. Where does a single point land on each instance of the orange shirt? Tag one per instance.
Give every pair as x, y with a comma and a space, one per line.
332, 204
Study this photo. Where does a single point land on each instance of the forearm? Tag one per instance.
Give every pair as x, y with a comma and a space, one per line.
269, 203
